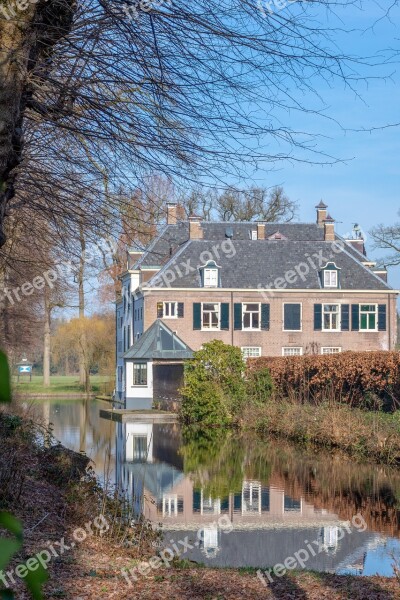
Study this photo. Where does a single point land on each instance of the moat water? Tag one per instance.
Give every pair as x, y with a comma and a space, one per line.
241, 501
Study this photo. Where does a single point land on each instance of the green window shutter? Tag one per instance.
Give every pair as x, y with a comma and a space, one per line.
317, 317
237, 316
382, 317
265, 317
292, 317
196, 315
181, 310
160, 310
355, 317
345, 317
225, 316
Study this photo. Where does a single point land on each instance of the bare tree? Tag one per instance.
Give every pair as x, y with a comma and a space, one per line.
167, 91
256, 204
387, 237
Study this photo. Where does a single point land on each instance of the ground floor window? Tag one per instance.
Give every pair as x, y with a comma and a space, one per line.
251, 352
210, 316
331, 350
292, 351
140, 374
331, 317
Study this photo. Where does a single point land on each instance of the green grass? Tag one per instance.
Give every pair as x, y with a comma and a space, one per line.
60, 384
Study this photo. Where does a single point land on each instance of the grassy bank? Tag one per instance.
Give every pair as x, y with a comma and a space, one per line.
52, 493
59, 384
359, 432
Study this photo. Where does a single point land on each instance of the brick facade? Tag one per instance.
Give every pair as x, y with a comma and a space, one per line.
275, 339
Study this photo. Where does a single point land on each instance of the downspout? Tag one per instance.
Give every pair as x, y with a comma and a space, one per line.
232, 318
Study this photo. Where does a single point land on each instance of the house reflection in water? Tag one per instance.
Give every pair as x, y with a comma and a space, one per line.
268, 524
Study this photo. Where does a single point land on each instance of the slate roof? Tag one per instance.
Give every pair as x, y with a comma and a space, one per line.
258, 263
159, 341
168, 241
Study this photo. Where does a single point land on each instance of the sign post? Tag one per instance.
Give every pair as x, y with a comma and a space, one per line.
25, 368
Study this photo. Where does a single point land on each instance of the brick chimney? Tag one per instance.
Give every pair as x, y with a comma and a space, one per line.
195, 229
358, 244
321, 213
329, 229
261, 230
172, 213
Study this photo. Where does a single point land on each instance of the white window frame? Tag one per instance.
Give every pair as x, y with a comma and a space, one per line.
218, 328
329, 284
254, 235
301, 317
251, 312
300, 348
369, 312
253, 505
339, 321
165, 304
248, 354
329, 350
211, 276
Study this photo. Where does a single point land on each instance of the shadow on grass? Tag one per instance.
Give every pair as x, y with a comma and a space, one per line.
356, 588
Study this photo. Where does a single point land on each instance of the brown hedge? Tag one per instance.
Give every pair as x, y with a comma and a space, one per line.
349, 376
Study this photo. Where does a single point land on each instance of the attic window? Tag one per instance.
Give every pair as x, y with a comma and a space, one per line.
330, 276
210, 275
254, 234
330, 279
277, 236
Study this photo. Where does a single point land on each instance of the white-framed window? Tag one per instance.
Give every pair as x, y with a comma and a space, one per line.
292, 351
170, 310
210, 315
209, 505
251, 318
330, 279
210, 277
331, 350
251, 352
368, 317
251, 497
254, 235
331, 317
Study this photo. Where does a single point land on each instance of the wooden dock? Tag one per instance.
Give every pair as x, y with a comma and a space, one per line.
144, 416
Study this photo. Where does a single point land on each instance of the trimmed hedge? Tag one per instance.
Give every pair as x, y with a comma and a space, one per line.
352, 377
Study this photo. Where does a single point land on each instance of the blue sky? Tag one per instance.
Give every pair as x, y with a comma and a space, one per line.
364, 188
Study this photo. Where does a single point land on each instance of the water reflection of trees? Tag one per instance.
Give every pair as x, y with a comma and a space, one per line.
220, 461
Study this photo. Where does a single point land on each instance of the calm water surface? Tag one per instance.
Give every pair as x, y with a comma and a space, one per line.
241, 501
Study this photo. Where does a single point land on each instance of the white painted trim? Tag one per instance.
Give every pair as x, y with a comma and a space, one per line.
259, 317
292, 348
376, 330
339, 304
211, 329
272, 291
330, 348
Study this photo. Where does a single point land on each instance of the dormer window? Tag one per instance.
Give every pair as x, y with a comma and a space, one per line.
210, 275
330, 276
330, 279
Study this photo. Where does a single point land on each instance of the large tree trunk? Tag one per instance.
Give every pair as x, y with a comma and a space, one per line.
46, 339
26, 41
